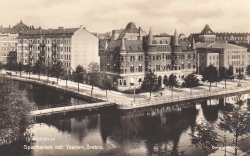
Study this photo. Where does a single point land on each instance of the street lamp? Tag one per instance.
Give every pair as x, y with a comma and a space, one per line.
225, 141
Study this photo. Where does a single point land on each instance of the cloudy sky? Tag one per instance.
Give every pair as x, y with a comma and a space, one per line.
186, 16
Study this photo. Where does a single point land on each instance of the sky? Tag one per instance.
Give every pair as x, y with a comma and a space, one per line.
163, 16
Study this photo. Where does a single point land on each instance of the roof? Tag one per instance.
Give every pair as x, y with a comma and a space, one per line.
60, 31
161, 40
207, 31
227, 34
185, 44
163, 35
9, 30
219, 45
131, 45
204, 50
21, 25
131, 28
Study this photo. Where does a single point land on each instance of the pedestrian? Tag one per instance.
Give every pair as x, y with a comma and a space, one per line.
161, 93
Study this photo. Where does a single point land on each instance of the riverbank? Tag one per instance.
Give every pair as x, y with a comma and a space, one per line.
243, 148
130, 101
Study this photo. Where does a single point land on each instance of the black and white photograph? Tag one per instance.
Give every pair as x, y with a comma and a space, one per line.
124, 78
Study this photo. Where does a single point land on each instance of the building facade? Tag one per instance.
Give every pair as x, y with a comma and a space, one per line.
127, 59
8, 42
71, 46
230, 55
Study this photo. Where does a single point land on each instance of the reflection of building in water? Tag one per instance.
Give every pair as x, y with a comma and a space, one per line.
211, 107
154, 126
212, 101
240, 99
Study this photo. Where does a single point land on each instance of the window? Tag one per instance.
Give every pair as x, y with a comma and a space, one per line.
140, 68
132, 69
132, 58
182, 66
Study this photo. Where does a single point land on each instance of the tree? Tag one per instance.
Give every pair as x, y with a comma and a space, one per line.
225, 73
65, 75
150, 83
93, 75
38, 68
78, 75
106, 83
15, 118
57, 70
248, 70
240, 76
1, 65
48, 70
210, 75
172, 82
204, 136
191, 81
20, 67
236, 122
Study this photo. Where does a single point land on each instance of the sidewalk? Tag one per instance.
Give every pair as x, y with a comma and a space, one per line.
243, 145
126, 101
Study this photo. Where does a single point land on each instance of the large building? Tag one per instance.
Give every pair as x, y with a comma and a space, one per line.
127, 58
230, 55
72, 46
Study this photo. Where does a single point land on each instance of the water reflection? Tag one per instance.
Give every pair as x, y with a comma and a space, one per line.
45, 97
133, 132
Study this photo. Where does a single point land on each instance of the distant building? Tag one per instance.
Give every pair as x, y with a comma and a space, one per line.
207, 35
72, 46
8, 42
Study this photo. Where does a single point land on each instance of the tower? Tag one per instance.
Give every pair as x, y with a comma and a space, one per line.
176, 51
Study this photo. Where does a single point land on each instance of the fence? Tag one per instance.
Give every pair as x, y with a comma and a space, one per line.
139, 103
180, 97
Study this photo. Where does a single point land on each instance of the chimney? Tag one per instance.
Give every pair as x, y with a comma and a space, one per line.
60, 28
9, 26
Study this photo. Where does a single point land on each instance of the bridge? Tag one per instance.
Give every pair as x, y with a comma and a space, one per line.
70, 108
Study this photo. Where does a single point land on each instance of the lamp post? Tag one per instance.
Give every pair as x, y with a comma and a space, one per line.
225, 141
134, 85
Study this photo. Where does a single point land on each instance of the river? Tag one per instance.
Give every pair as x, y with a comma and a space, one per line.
109, 131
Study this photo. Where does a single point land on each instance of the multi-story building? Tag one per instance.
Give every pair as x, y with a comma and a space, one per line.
132, 54
213, 48
72, 46
230, 55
